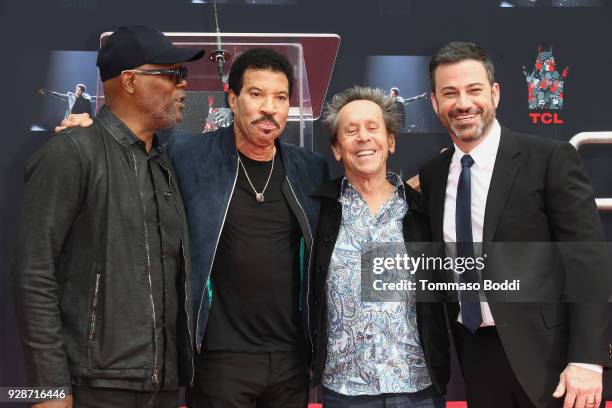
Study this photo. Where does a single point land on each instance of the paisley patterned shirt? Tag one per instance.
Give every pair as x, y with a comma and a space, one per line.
373, 347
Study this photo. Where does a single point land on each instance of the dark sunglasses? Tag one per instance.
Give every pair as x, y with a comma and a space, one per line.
179, 73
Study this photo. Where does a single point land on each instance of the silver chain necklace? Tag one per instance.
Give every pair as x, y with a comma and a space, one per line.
258, 196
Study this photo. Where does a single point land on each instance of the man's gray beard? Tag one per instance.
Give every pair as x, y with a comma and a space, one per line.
483, 127
158, 117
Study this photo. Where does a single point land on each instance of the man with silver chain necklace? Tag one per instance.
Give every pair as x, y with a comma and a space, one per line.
252, 221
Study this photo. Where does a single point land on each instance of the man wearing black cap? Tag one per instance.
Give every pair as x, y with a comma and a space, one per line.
102, 272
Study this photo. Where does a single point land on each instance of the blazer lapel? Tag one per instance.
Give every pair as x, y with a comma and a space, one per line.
507, 164
438, 195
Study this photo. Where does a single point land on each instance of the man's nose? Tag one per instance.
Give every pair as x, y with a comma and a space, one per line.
268, 106
463, 101
363, 135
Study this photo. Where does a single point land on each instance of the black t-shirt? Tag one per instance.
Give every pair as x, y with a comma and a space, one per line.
255, 276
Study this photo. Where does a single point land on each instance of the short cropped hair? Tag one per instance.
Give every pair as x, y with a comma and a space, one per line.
258, 58
458, 51
391, 115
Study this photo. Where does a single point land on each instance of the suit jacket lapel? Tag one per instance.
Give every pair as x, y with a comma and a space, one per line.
507, 164
438, 195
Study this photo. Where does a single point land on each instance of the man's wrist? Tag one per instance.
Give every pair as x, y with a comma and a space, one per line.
593, 367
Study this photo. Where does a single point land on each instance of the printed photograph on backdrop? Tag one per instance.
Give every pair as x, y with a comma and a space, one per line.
406, 78
205, 111
66, 85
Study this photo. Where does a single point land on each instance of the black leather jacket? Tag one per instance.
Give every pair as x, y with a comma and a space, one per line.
82, 285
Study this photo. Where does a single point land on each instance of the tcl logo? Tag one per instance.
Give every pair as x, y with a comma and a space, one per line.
546, 118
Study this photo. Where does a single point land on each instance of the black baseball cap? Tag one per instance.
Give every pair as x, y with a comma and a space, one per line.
132, 46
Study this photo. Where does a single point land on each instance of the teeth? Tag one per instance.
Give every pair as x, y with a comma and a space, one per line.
365, 153
463, 117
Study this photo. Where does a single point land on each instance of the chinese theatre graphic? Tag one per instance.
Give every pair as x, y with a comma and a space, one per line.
217, 116
545, 88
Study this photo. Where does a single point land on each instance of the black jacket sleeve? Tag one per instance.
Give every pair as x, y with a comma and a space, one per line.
576, 227
54, 190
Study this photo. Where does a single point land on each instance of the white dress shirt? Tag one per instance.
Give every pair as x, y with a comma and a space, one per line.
481, 172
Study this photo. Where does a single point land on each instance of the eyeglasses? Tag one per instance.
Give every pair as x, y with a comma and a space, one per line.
179, 73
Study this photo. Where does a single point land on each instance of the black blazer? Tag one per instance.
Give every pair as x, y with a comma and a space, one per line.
539, 192
431, 321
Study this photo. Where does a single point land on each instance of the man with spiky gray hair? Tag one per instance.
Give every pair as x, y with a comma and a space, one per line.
389, 353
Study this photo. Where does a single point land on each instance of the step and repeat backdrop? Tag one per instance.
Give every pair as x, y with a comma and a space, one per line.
553, 63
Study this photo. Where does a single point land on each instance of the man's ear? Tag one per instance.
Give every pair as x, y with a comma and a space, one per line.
391, 143
231, 100
127, 81
495, 93
434, 102
337, 151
